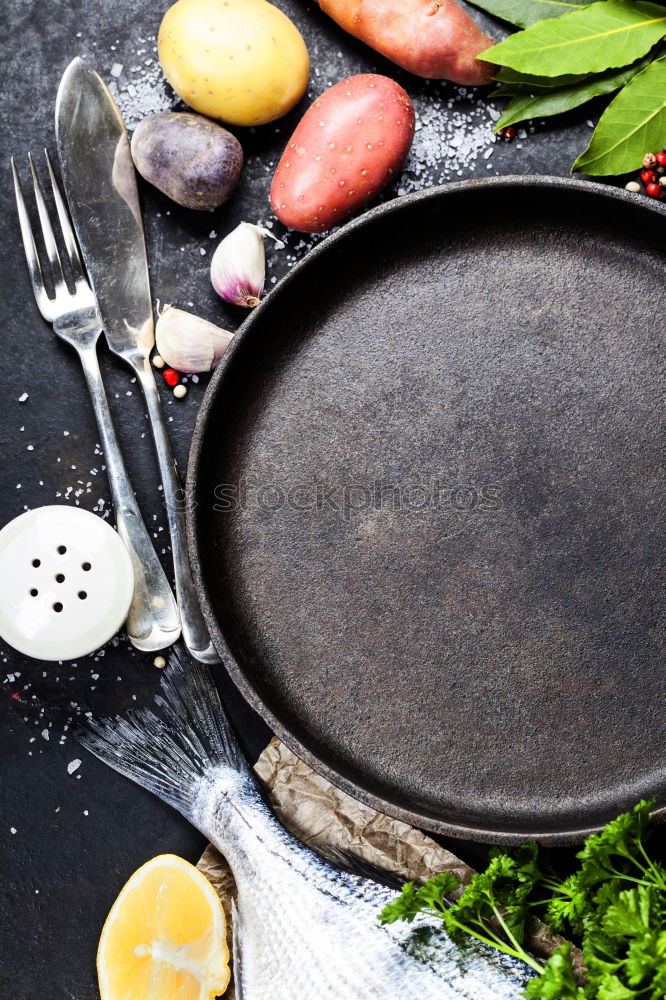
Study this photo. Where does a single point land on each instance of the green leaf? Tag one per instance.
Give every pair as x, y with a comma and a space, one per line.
569, 904
646, 956
613, 989
557, 979
404, 907
500, 893
624, 944
600, 955
429, 897
525, 12
604, 35
630, 916
633, 123
433, 894
622, 836
478, 899
513, 77
543, 104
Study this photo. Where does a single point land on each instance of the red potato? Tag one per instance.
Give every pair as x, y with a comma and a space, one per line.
432, 38
347, 146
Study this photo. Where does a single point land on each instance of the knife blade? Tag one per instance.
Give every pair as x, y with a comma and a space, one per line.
100, 184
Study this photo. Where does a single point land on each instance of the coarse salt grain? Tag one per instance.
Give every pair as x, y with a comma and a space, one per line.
73, 766
22, 398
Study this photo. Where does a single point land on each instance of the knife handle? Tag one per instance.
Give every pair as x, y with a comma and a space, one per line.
195, 634
153, 621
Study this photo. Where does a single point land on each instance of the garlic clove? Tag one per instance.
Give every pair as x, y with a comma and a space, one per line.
189, 343
238, 267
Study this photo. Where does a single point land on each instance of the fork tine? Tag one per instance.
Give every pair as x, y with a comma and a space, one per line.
65, 225
47, 231
34, 266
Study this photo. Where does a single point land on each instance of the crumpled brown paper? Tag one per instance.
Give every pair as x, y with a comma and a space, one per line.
322, 816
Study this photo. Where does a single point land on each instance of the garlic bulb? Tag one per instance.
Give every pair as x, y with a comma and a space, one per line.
189, 343
238, 266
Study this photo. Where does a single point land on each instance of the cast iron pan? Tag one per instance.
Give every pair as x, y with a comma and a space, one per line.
428, 526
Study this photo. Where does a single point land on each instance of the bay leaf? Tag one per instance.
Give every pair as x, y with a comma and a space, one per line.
604, 35
525, 12
632, 124
530, 103
515, 78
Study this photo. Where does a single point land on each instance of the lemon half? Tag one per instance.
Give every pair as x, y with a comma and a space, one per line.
165, 937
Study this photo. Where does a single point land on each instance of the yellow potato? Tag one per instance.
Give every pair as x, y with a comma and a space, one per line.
242, 61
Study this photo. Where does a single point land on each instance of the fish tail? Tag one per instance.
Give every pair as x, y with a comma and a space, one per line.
169, 748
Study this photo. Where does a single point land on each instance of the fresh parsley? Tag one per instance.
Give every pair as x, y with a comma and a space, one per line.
614, 905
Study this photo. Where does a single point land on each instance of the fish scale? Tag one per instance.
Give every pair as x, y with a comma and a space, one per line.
304, 929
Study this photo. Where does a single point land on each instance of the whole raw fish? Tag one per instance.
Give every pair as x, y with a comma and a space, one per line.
303, 928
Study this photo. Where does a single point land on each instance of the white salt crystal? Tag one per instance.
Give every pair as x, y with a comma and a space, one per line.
73, 766
23, 397
116, 69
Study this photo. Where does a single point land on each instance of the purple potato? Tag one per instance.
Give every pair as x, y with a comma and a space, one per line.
191, 159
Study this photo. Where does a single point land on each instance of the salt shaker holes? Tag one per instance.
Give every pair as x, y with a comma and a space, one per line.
66, 583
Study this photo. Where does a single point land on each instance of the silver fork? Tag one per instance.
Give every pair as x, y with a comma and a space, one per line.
153, 621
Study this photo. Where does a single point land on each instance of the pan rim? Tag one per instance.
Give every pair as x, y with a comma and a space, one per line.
413, 817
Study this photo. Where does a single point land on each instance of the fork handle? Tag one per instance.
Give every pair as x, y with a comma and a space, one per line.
195, 633
153, 621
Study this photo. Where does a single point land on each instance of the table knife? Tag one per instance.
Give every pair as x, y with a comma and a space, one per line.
100, 185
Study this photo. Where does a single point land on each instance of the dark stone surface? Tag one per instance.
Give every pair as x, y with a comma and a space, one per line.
63, 868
